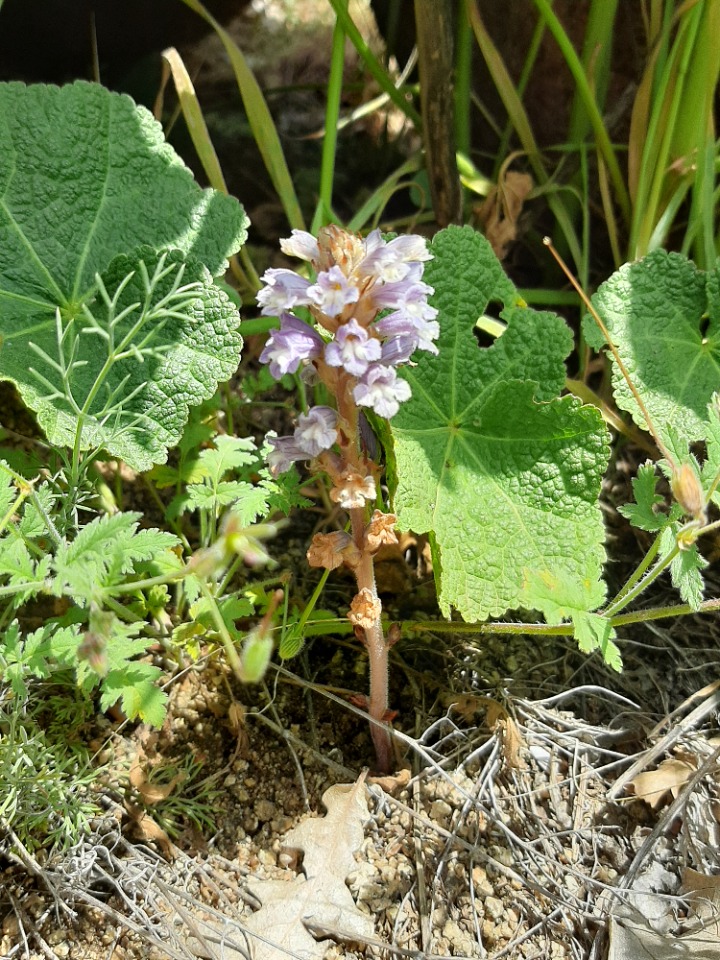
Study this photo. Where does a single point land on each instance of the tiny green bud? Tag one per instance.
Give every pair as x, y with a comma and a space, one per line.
256, 656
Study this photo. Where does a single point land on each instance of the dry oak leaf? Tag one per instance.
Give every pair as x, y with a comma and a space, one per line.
703, 894
321, 898
653, 786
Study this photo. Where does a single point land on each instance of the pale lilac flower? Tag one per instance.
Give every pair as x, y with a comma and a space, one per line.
285, 451
398, 350
283, 290
399, 259
332, 292
407, 295
302, 245
421, 331
381, 389
352, 349
316, 431
287, 347
410, 247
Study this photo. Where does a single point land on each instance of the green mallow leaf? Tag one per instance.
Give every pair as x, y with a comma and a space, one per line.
663, 315
112, 326
502, 473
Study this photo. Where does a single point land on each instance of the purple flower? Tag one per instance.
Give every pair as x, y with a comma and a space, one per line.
332, 292
397, 260
410, 247
421, 331
287, 347
398, 350
302, 245
316, 431
283, 290
381, 389
407, 295
352, 349
285, 451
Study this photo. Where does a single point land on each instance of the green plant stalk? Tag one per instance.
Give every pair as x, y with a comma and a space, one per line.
312, 602
596, 62
554, 630
643, 584
374, 67
14, 507
120, 611
35, 586
227, 641
712, 488
260, 120
637, 574
323, 210
463, 79
663, 613
259, 326
585, 95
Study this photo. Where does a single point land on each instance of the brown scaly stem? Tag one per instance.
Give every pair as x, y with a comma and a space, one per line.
375, 642
377, 649
371, 304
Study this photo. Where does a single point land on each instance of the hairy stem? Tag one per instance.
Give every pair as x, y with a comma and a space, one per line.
377, 649
374, 638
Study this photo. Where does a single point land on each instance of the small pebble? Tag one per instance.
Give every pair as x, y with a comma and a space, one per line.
494, 907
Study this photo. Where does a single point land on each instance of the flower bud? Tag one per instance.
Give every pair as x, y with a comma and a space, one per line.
686, 488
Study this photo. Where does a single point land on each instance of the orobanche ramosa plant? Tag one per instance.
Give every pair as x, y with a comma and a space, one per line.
481, 451
369, 311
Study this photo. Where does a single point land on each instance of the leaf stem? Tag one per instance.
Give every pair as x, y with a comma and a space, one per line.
637, 574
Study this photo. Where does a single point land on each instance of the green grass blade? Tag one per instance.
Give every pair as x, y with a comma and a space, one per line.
372, 209
519, 119
323, 211
194, 120
242, 267
585, 94
596, 62
371, 62
260, 120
